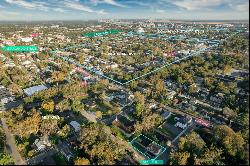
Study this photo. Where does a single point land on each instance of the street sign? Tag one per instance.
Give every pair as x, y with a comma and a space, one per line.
152, 162
102, 33
20, 48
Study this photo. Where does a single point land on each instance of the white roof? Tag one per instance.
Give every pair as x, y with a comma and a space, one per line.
30, 91
75, 125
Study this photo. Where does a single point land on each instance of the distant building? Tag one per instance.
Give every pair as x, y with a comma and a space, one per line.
140, 30
27, 39
55, 26
31, 90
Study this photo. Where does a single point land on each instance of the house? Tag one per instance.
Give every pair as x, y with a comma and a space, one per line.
5, 96
166, 114
183, 121
42, 143
64, 149
154, 148
203, 94
31, 90
140, 30
124, 124
171, 94
218, 98
75, 125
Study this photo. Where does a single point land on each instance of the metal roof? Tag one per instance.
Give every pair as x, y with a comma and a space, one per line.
31, 90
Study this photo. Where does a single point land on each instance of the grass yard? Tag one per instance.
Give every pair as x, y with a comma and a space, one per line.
171, 120
167, 133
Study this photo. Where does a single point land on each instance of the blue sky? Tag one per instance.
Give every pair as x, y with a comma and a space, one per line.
28, 10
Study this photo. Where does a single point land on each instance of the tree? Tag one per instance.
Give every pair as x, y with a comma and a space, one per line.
212, 156
193, 143
6, 159
139, 98
48, 106
160, 87
99, 114
49, 126
149, 122
2, 139
63, 105
227, 69
96, 142
190, 148
29, 125
139, 110
232, 142
192, 89
229, 113
81, 161
179, 158
76, 105
58, 76
64, 132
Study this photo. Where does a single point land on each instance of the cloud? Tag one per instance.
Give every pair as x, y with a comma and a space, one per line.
160, 11
29, 5
8, 13
76, 5
242, 7
197, 4
59, 10
110, 2
236, 5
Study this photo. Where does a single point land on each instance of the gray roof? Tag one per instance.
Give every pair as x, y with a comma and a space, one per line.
166, 114
31, 90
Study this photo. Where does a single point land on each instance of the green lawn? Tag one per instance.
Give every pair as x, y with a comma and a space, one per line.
167, 132
171, 120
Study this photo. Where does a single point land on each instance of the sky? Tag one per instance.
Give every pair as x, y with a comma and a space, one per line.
30, 10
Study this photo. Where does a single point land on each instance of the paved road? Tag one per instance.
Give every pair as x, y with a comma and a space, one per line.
41, 157
13, 104
11, 145
201, 102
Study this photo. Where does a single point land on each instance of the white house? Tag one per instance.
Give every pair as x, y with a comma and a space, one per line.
27, 39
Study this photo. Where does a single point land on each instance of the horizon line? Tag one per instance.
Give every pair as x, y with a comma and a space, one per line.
128, 19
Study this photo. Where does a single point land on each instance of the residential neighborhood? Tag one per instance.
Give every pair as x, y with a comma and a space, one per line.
124, 92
